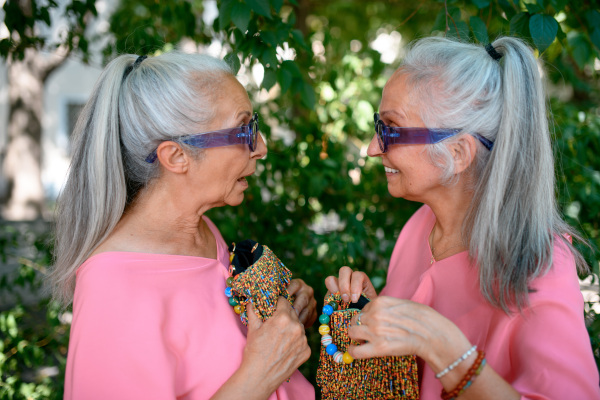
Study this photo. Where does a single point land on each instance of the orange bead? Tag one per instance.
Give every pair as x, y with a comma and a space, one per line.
348, 358
324, 329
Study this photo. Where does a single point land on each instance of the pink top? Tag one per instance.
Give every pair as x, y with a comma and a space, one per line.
157, 326
543, 354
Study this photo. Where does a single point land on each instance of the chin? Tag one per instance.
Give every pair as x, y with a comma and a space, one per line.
236, 202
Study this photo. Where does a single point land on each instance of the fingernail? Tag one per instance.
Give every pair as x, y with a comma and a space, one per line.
345, 297
354, 298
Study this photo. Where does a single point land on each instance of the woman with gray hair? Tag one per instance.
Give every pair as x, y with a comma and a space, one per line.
145, 269
482, 284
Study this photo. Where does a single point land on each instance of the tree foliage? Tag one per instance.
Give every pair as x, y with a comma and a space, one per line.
317, 200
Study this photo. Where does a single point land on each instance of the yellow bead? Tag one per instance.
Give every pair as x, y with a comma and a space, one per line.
324, 329
347, 358
231, 255
238, 309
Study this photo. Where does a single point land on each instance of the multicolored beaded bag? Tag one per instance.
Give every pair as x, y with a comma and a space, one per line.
256, 276
341, 377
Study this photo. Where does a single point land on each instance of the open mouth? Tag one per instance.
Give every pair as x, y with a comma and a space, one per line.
390, 170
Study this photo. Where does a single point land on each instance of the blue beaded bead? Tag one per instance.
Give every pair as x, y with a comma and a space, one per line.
331, 349
228, 292
327, 310
324, 319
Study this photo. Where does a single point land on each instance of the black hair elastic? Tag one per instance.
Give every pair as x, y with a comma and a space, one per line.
131, 67
492, 52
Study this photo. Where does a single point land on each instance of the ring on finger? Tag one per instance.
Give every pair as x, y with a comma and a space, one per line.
358, 322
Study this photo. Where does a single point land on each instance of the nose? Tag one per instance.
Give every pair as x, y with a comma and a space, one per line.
374, 150
261, 148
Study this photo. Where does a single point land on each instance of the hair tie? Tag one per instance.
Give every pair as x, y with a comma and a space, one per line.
492, 52
131, 67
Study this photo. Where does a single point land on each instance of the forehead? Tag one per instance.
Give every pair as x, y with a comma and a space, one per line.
399, 99
231, 99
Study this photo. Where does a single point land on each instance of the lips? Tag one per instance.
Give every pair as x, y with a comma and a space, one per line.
243, 178
389, 170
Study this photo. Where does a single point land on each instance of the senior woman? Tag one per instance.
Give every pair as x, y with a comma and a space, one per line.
482, 284
161, 141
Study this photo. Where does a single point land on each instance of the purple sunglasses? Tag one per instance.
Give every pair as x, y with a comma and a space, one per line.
245, 134
388, 135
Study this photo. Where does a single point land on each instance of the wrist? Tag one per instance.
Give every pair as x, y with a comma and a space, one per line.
252, 383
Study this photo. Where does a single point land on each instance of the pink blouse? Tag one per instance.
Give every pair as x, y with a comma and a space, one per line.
544, 353
157, 326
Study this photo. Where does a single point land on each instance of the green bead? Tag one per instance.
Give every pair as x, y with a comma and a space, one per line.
229, 281
324, 319
233, 301
333, 305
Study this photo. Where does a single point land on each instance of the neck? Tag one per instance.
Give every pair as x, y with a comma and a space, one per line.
160, 222
450, 209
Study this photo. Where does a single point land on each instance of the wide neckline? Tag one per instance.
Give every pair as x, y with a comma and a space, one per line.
211, 226
431, 264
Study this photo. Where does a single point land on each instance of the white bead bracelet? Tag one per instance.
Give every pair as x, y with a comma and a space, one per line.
455, 363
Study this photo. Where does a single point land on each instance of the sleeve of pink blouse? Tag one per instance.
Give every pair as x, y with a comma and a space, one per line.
117, 350
550, 349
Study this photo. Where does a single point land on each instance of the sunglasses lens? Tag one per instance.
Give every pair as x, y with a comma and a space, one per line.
380, 138
253, 132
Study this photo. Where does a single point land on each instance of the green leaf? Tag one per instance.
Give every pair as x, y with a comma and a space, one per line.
481, 3
269, 57
541, 3
479, 30
519, 25
458, 29
560, 35
292, 67
225, 13
298, 37
240, 15
533, 8
508, 9
593, 19
270, 78
234, 62
308, 96
277, 4
595, 37
558, 5
269, 38
543, 30
580, 49
440, 19
284, 77
261, 7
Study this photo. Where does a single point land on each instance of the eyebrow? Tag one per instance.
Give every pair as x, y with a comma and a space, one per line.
244, 114
394, 112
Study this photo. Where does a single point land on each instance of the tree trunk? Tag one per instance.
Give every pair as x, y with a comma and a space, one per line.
22, 158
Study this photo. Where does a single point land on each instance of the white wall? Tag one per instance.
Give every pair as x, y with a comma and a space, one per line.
73, 82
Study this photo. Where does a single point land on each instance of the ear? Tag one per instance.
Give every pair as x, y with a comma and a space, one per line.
463, 152
172, 157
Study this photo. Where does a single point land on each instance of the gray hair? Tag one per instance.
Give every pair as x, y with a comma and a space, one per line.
513, 219
126, 117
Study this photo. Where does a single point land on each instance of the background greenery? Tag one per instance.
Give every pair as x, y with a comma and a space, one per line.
317, 200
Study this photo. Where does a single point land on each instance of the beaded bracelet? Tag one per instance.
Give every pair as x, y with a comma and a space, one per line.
455, 363
468, 379
327, 340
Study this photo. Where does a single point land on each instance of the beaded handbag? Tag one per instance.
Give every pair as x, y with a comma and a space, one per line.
256, 276
341, 377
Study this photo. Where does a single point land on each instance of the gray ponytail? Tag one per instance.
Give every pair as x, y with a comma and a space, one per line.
126, 117
513, 220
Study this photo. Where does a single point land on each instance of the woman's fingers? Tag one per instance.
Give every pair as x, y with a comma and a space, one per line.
254, 322
331, 282
305, 303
